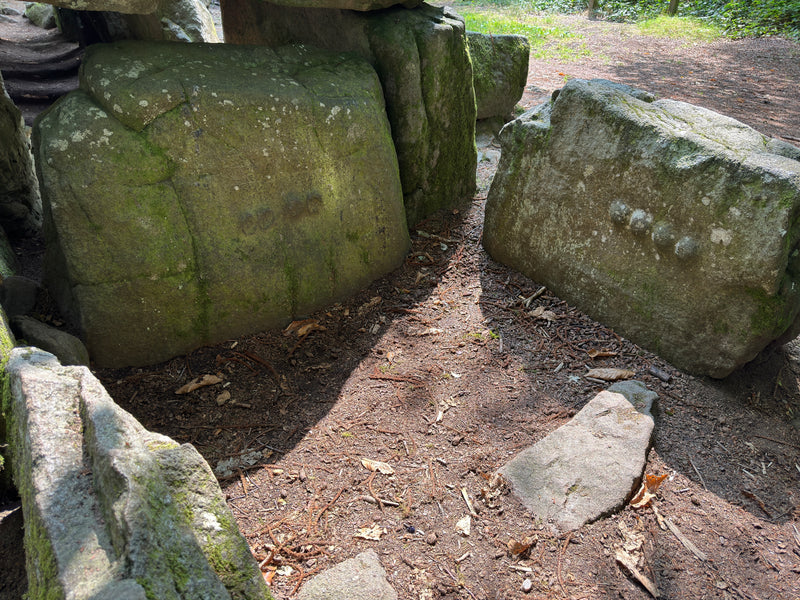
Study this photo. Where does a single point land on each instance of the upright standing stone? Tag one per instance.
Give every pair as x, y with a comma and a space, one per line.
197, 192
422, 59
20, 206
676, 225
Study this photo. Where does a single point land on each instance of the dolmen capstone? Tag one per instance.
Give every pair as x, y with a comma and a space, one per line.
673, 224
422, 58
197, 192
499, 71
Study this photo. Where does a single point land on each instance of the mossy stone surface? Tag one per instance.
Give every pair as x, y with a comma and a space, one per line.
202, 191
20, 205
675, 225
422, 59
500, 72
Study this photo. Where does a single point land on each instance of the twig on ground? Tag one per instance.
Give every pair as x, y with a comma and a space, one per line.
560, 559
698, 472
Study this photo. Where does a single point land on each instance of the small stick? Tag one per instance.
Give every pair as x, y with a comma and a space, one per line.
463, 557
469, 502
560, 557
327, 506
763, 437
759, 501
244, 483
371, 491
372, 500
687, 543
698, 473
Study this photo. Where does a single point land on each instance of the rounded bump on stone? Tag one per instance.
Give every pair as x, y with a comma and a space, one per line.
687, 247
640, 221
619, 211
663, 235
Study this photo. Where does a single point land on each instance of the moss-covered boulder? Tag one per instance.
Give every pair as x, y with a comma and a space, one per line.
422, 59
674, 224
500, 72
20, 206
195, 192
362, 5
113, 510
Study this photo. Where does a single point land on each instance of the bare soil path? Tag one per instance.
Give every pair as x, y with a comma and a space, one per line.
440, 371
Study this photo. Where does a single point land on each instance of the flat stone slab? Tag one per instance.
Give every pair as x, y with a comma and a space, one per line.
359, 578
589, 467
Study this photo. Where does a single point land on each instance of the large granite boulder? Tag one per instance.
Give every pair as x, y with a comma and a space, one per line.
422, 59
363, 5
113, 510
20, 206
500, 72
675, 225
137, 7
196, 192
171, 20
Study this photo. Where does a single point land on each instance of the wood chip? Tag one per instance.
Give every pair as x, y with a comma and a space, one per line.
610, 374
199, 382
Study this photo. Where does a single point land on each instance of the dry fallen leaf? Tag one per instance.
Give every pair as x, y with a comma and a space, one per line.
370, 533
609, 374
518, 548
199, 382
464, 525
223, 397
377, 465
303, 328
431, 331
540, 313
647, 491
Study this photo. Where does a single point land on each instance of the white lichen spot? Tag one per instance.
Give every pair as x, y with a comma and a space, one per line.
164, 90
107, 132
227, 103
79, 136
209, 522
117, 108
153, 277
104, 82
334, 111
213, 94
735, 212
187, 123
143, 103
107, 95
705, 200
236, 187
59, 144
136, 69
588, 170
721, 236
322, 104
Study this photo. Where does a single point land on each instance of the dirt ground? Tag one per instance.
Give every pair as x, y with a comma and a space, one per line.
440, 371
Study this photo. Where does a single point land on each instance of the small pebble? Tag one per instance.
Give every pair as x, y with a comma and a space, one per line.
527, 586
430, 539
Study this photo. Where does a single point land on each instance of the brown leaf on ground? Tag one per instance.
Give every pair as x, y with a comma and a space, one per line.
198, 383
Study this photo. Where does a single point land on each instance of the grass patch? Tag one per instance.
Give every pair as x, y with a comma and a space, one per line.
680, 28
548, 39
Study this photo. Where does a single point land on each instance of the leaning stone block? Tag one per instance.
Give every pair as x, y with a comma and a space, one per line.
197, 192
500, 72
674, 224
20, 205
422, 59
113, 511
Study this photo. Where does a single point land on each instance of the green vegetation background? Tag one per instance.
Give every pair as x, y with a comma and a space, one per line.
734, 18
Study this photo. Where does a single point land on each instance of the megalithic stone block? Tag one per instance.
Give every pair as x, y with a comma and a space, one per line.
673, 224
422, 58
197, 192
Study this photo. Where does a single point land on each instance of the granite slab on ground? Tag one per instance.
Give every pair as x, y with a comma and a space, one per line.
589, 467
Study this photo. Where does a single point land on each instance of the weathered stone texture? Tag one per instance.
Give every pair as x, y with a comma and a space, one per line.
20, 206
675, 225
500, 72
113, 511
589, 467
196, 192
139, 7
422, 59
362, 5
